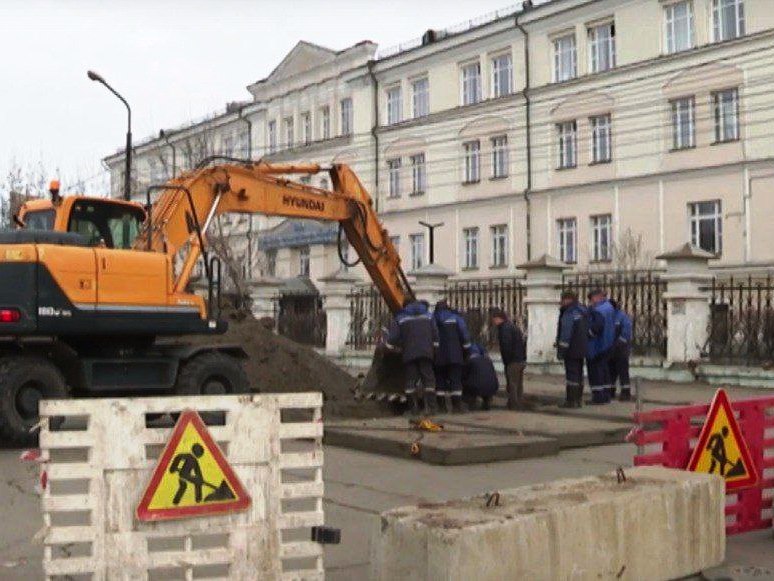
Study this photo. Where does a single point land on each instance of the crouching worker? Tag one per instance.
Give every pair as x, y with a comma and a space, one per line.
480, 378
413, 332
454, 341
619, 357
513, 350
572, 344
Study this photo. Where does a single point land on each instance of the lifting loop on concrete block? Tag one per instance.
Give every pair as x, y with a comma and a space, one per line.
492, 499
620, 475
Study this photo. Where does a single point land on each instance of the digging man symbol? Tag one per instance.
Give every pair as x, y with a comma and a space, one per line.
717, 449
190, 472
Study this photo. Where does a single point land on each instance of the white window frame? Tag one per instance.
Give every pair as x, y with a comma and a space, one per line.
304, 261
394, 96
325, 122
499, 234
601, 38
683, 111
393, 177
672, 24
719, 8
725, 103
417, 243
470, 247
601, 138
601, 237
289, 125
695, 219
470, 83
500, 157
502, 75
272, 130
565, 70
567, 144
418, 174
420, 97
306, 127
347, 116
567, 239
471, 154
271, 262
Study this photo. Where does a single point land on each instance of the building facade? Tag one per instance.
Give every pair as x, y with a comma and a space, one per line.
601, 132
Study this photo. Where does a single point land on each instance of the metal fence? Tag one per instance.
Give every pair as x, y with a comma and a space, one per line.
640, 294
741, 326
369, 317
301, 317
475, 298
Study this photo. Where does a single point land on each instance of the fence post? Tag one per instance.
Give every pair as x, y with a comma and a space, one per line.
543, 284
263, 293
688, 310
430, 282
336, 290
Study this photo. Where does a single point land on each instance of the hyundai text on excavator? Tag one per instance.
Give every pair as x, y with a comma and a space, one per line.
88, 285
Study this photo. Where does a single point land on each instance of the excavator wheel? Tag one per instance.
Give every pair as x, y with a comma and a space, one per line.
212, 373
24, 381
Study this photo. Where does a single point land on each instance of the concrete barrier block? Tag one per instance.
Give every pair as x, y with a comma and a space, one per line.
658, 524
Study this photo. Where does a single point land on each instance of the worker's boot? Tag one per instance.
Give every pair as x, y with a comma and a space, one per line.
626, 394
458, 406
413, 404
577, 399
444, 404
611, 393
430, 403
569, 397
486, 403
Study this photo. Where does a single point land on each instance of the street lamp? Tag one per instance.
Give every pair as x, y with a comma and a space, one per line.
128, 155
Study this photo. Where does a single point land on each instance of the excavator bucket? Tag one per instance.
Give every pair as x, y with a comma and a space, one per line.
385, 378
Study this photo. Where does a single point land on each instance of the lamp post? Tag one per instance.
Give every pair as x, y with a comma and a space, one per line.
128, 155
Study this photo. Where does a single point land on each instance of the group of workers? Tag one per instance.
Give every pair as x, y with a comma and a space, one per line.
599, 334
453, 372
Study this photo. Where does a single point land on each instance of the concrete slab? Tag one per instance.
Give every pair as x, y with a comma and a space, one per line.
657, 524
455, 445
571, 432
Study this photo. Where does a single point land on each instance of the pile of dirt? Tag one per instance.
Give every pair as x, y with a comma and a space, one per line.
276, 364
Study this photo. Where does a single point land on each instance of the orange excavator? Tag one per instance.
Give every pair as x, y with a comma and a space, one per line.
88, 285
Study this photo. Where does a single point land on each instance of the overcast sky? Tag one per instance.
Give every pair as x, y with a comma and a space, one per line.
174, 60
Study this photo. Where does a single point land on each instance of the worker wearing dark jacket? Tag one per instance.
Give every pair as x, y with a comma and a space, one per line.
454, 341
513, 350
601, 339
480, 377
619, 356
572, 345
413, 332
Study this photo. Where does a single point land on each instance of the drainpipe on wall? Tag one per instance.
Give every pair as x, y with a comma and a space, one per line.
174, 152
374, 130
249, 133
250, 225
526, 6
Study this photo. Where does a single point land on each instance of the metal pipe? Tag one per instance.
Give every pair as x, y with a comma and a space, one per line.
528, 125
375, 130
249, 133
173, 147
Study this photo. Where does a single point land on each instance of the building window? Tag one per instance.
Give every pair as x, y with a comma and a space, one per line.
706, 225
420, 97
602, 47
470, 248
499, 245
567, 144
502, 75
394, 105
601, 138
243, 144
157, 171
418, 174
306, 180
727, 19
325, 122
683, 123
500, 156
565, 58
417, 251
289, 129
396, 243
471, 83
726, 109
568, 231
472, 157
324, 184
601, 236
227, 145
393, 171
271, 263
306, 128
303, 261
678, 24
272, 136
346, 116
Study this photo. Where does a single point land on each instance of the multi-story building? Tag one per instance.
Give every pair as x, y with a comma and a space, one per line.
601, 132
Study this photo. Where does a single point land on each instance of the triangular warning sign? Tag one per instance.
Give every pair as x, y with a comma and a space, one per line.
192, 477
722, 448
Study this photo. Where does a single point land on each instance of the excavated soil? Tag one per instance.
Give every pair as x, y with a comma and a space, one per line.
276, 364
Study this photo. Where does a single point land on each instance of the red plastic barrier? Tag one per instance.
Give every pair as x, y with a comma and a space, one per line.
674, 431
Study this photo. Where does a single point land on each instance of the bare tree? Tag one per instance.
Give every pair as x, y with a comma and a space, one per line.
629, 252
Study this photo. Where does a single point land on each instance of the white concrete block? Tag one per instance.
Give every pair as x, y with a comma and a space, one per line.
658, 524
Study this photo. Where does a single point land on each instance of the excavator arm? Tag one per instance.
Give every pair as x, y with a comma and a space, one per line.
180, 219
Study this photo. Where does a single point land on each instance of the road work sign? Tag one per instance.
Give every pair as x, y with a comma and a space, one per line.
722, 449
192, 478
